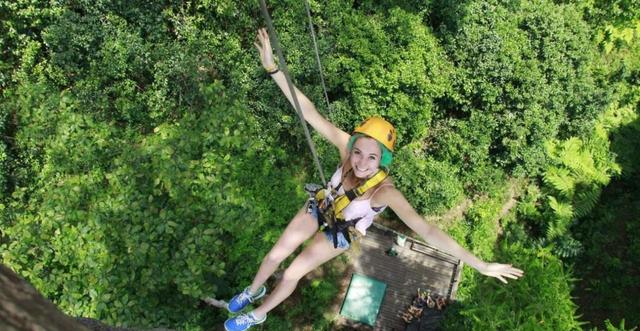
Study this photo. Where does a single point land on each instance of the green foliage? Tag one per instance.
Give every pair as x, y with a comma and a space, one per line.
621, 118
601, 215
316, 296
526, 73
21, 23
608, 267
567, 247
430, 185
3, 169
387, 64
466, 144
141, 221
527, 207
484, 227
610, 327
4, 156
580, 168
118, 73
627, 151
573, 182
147, 161
617, 12
478, 232
613, 40
540, 300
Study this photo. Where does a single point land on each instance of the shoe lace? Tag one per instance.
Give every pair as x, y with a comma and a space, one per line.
244, 296
245, 319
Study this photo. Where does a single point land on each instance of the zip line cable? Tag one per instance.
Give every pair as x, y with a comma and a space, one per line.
285, 72
315, 47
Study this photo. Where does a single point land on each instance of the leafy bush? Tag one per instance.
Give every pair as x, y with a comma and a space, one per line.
21, 24
478, 233
573, 182
608, 271
466, 144
118, 225
525, 73
621, 119
4, 156
387, 64
540, 300
610, 327
616, 12
430, 186
608, 267
146, 132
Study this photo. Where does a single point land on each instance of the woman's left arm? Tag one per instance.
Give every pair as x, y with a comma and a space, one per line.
393, 198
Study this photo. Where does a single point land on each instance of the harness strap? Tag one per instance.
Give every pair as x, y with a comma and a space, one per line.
330, 216
343, 201
343, 227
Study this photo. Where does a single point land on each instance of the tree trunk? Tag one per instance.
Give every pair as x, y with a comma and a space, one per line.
23, 308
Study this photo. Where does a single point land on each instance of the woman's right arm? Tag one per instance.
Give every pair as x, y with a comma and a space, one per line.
328, 130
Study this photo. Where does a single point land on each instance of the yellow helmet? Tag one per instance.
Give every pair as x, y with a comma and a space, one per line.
379, 129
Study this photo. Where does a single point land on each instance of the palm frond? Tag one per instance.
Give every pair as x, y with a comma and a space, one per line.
586, 200
561, 180
567, 247
561, 209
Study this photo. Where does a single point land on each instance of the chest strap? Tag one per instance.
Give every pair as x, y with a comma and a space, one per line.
341, 202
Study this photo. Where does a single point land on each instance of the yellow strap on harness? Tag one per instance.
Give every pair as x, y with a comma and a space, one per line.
343, 201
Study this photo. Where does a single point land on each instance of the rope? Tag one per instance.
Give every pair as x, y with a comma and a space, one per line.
285, 71
315, 46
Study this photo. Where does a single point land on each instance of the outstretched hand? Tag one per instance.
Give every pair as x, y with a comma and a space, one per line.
263, 45
501, 271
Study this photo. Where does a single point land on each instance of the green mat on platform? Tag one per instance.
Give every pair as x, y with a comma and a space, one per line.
363, 299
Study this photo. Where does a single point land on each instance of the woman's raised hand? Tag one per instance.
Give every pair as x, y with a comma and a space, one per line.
501, 271
263, 45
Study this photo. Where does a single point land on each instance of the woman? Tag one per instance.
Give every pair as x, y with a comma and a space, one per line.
362, 156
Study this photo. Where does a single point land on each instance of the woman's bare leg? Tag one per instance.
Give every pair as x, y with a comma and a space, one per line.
318, 252
301, 228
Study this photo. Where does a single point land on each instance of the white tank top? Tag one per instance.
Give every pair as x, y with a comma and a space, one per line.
356, 208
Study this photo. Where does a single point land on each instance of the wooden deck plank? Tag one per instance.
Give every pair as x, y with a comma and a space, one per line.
425, 268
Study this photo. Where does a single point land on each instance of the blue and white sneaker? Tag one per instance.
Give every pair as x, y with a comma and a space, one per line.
242, 322
241, 300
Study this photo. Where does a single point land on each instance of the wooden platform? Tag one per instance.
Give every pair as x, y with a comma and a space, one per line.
417, 265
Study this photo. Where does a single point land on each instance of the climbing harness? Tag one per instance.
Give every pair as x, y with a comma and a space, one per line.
331, 205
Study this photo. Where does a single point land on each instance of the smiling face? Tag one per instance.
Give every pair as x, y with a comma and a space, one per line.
365, 157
